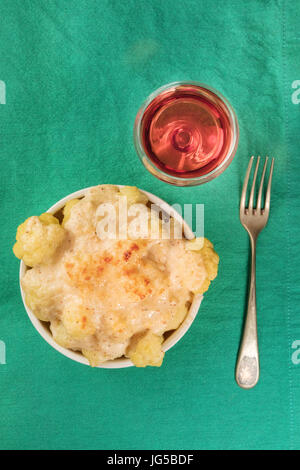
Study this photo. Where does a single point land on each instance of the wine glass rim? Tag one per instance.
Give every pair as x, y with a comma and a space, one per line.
167, 177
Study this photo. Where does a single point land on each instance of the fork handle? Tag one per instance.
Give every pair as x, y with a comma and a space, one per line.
247, 369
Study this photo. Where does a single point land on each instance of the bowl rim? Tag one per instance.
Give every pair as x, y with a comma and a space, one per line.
118, 363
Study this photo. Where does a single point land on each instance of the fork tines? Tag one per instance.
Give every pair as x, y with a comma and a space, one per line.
256, 210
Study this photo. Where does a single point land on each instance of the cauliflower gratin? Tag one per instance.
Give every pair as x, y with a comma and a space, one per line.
109, 298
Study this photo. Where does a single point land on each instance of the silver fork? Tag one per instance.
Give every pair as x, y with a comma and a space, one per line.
253, 220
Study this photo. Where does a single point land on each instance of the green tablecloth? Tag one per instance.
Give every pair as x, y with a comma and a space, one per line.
75, 74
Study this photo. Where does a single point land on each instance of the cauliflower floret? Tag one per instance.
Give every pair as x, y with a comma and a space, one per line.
180, 314
78, 322
95, 358
48, 219
196, 244
210, 260
39, 295
67, 210
145, 350
37, 239
61, 335
103, 193
134, 195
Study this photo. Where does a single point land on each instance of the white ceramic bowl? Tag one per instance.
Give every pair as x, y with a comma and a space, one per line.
171, 340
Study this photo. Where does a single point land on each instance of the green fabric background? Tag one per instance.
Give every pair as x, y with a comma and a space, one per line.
76, 73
